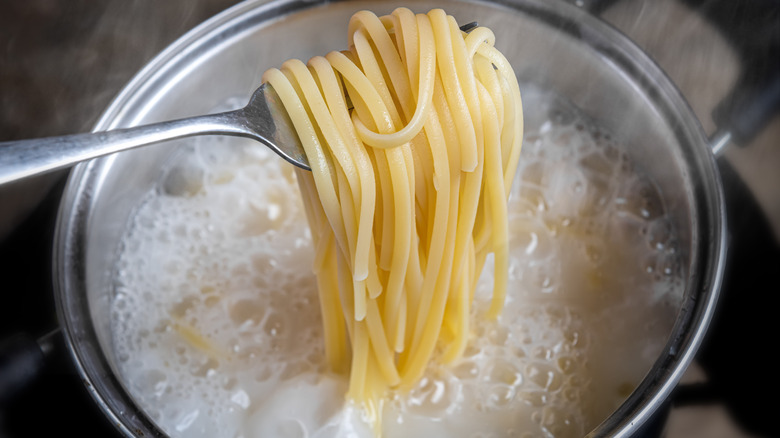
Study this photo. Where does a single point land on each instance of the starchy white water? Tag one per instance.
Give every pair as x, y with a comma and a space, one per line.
215, 315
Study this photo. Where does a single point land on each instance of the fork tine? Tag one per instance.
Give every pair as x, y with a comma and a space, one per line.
468, 27
267, 121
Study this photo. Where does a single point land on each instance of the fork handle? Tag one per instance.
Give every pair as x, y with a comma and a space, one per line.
23, 158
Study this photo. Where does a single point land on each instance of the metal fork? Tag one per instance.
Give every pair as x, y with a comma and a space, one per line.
263, 119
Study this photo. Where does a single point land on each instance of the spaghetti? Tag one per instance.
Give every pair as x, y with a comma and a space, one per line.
413, 136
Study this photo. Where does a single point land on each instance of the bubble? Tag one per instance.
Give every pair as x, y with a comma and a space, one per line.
275, 324
431, 397
641, 199
566, 364
183, 179
466, 370
500, 396
241, 399
186, 420
247, 311
498, 335
202, 367
544, 377
502, 371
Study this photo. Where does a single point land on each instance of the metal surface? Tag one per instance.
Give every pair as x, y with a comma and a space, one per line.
719, 141
573, 54
264, 119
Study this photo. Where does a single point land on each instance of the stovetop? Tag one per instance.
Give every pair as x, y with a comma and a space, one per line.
49, 48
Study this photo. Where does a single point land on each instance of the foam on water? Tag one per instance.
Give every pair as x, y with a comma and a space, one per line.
215, 315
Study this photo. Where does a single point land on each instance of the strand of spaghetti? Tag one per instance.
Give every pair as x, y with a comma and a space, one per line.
406, 25
465, 72
373, 283
454, 94
427, 69
402, 200
438, 149
422, 176
365, 26
470, 199
474, 270
365, 187
399, 174
327, 285
399, 161
380, 345
432, 250
324, 175
458, 321
372, 396
483, 38
332, 316
345, 170
509, 146
493, 81
364, 97
407, 39
429, 316
413, 362
457, 318
385, 227
439, 213
479, 263
482, 223
507, 130
517, 138
400, 325
323, 232
478, 37
376, 72
440, 223
489, 78
347, 296
402, 248
302, 118
360, 356
496, 201
314, 214
502, 65
413, 286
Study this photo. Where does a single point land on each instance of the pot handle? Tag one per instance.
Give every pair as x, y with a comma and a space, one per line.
22, 358
745, 112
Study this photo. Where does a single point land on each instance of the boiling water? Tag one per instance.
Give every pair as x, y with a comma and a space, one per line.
215, 315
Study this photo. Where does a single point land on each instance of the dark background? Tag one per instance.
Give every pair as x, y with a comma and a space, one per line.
61, 63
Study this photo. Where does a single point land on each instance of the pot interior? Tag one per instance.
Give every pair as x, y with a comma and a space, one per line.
555, 48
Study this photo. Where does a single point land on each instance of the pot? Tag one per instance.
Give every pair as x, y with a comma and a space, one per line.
552, 45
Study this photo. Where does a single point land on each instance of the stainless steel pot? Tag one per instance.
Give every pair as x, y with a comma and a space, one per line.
552, 45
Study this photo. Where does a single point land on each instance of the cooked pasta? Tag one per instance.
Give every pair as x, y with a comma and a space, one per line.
413, 135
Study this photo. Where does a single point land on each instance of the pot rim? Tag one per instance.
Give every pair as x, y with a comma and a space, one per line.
636, 410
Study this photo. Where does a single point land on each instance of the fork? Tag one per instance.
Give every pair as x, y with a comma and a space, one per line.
263, 119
